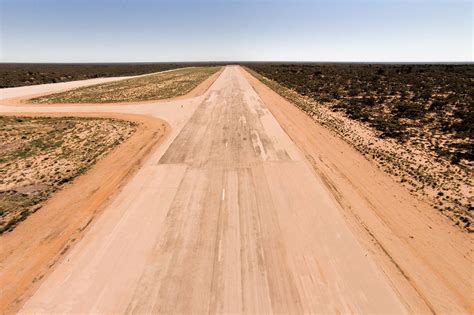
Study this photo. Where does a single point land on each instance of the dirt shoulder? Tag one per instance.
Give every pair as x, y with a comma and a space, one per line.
428, 259
199, 90
29, 252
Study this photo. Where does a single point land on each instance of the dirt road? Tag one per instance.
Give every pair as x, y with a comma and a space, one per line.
226, 216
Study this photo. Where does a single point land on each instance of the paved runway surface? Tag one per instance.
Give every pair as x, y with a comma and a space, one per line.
226, 216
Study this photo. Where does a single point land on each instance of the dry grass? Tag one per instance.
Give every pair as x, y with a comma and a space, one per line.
151, 87
38, 155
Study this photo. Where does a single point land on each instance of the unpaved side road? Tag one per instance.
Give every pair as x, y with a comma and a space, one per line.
228, 217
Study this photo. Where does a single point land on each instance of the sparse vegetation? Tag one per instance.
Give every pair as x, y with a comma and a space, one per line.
38, 155
415, 121
151, 87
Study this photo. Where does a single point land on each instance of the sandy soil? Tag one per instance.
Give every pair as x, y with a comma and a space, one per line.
408, 235
229, 215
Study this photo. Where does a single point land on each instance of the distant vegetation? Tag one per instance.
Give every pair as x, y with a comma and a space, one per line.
400, 101
16, 74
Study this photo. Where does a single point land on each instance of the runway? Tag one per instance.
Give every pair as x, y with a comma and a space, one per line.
226, 217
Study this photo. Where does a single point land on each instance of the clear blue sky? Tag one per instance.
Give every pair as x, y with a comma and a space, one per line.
224, 30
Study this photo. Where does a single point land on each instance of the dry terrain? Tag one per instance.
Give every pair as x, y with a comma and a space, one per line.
415, 121
247, 206
41, 154
162, 85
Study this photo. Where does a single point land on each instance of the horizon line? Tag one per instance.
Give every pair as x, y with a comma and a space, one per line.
238, 61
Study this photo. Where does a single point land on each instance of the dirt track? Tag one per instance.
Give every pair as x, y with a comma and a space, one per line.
226, 216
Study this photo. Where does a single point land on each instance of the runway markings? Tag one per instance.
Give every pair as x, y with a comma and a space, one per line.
220, 250
223, 194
